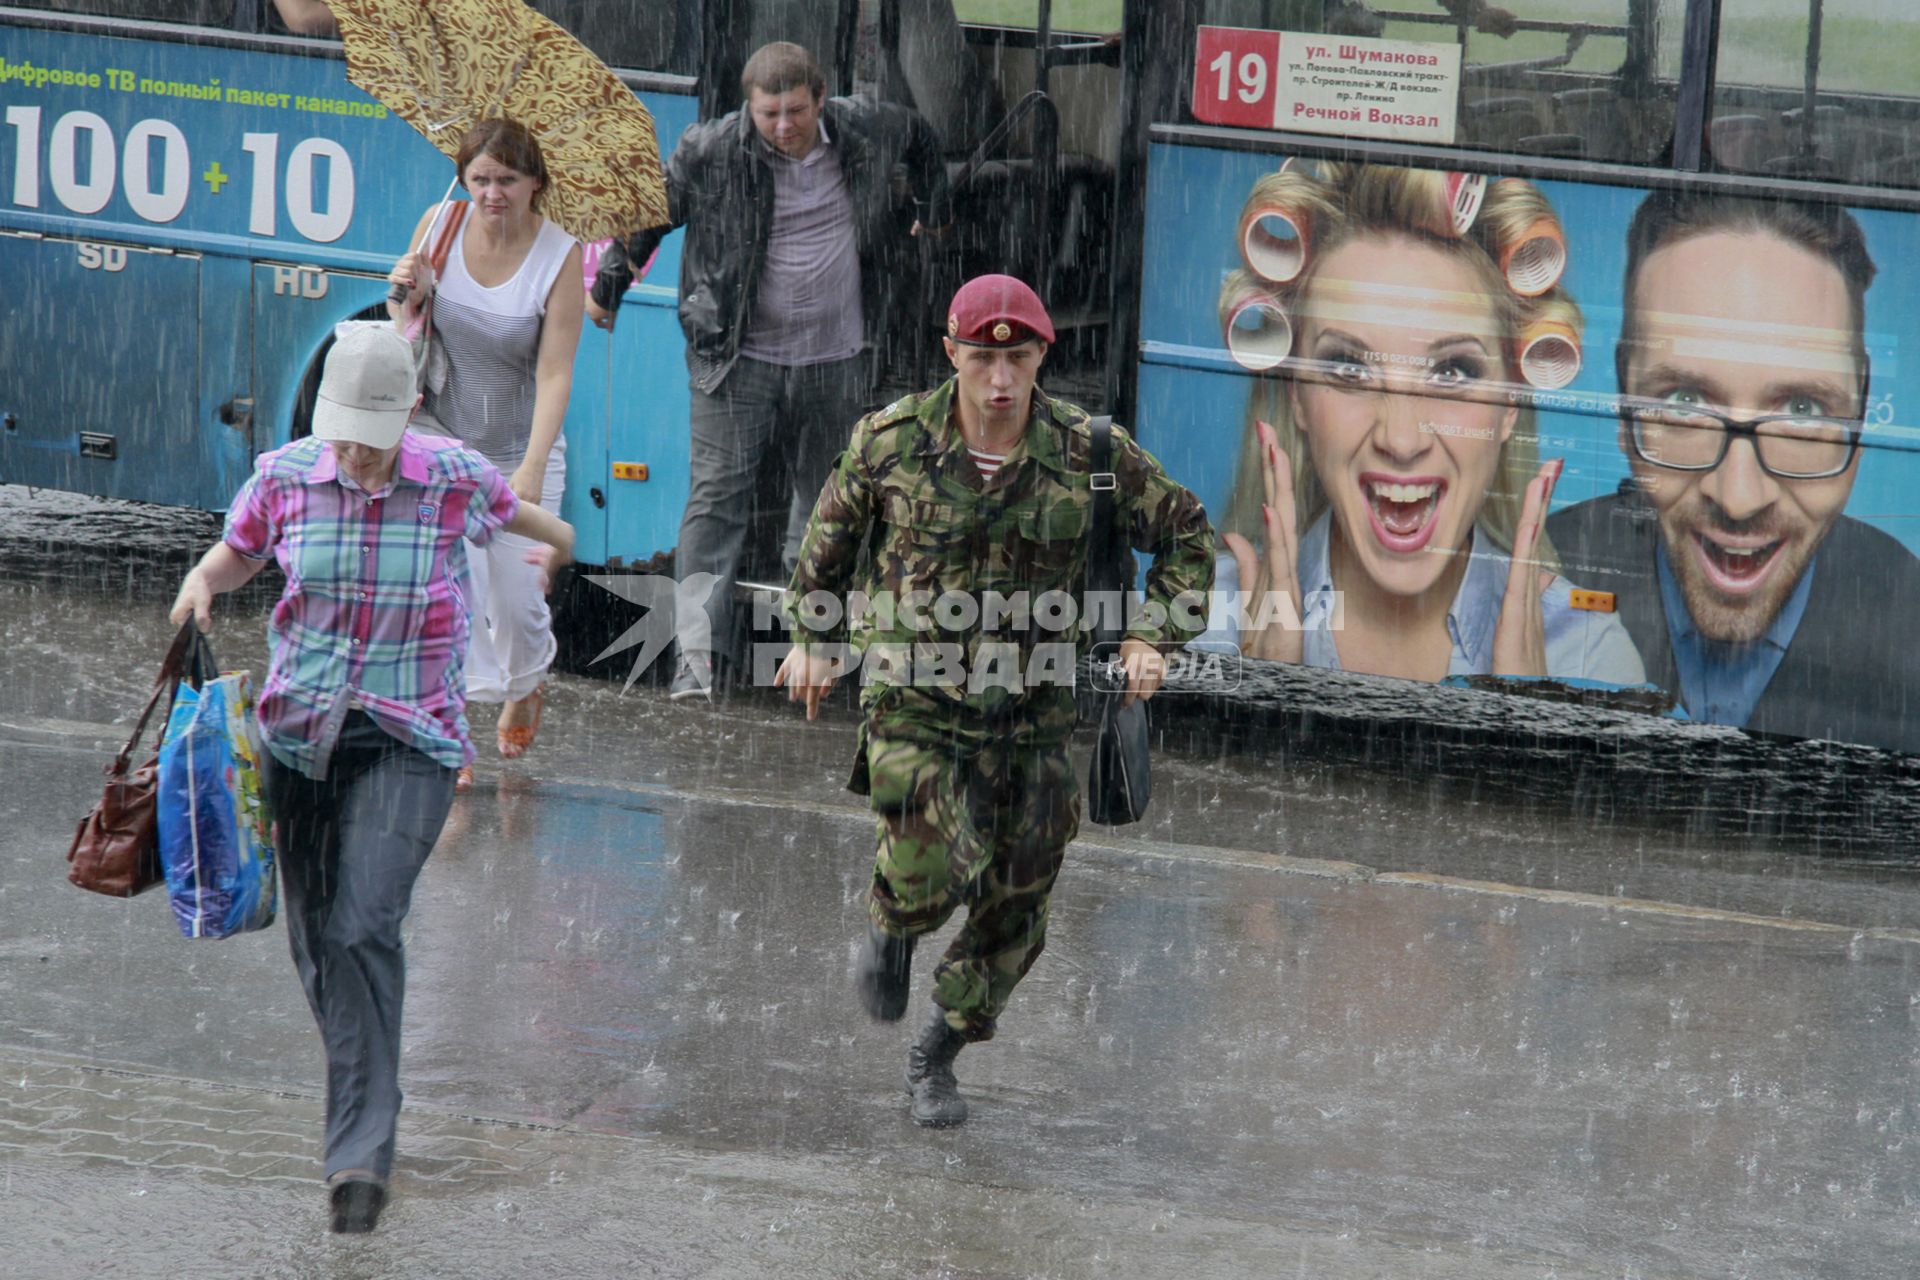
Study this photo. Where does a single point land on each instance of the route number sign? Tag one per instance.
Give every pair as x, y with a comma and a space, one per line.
1360, 88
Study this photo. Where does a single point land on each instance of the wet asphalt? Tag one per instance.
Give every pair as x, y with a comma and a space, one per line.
1315, 1017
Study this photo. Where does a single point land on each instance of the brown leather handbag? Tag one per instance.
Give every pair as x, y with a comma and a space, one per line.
116, 851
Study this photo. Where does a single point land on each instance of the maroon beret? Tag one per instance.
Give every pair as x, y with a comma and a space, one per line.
997, 311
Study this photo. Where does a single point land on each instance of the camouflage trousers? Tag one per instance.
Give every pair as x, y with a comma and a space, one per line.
979, 823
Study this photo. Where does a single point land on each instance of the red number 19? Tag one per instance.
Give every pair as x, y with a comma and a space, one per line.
1233, 76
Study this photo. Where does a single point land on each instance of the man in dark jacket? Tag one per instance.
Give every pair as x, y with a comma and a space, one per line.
797, 210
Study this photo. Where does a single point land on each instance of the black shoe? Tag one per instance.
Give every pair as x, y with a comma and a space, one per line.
693, 678
356, 1204
937, 1103
884, 974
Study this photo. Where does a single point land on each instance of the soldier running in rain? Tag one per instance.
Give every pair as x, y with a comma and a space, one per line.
977, 491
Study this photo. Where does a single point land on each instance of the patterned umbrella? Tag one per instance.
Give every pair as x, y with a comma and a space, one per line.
445, 65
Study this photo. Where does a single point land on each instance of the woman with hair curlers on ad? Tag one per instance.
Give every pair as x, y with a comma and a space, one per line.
1388, 508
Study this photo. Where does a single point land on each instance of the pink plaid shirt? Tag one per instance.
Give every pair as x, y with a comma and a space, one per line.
375, 610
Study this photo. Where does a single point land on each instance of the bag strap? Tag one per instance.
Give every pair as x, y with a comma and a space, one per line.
1102, 575
443, 247
437, 259
199, 667
187, 658
120, 762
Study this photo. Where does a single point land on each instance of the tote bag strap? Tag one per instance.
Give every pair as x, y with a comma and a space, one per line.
189, 657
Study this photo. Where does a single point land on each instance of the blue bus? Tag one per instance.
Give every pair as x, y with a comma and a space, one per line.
194, 196
194, 200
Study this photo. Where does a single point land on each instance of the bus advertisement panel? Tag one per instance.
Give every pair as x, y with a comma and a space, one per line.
1379, 370
191, 219
204, 148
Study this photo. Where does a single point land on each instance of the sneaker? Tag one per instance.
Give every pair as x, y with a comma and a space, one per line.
693, 678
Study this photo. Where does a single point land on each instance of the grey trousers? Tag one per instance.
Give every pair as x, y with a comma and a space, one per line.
806, 412
350, 848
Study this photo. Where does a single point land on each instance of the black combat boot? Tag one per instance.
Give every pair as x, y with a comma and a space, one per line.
936, 1094
355, 1204
884, 974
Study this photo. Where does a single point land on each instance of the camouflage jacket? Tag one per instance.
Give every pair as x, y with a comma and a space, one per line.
906, 531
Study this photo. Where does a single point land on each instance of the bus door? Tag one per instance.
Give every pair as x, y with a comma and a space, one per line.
118, 415
639, 371
627, 445
189, 208
1025, 105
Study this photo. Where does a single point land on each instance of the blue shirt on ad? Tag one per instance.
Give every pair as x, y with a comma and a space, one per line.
1721, 683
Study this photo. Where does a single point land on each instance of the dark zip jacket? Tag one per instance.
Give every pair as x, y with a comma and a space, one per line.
720, 188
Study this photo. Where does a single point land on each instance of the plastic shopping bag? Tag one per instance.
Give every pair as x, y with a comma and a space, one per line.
215, 844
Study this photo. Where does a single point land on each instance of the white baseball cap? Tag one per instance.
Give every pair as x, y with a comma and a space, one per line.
366, 391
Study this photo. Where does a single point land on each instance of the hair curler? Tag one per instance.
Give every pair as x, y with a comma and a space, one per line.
1534, 252
1549, 351
1259, 333
1276, 222
1532, 264
1273, 238
1464, 193
1444, 204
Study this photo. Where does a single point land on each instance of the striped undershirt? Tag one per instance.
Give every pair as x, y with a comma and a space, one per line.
989, 463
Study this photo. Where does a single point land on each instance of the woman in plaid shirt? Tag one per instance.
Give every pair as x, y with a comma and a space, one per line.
364, 707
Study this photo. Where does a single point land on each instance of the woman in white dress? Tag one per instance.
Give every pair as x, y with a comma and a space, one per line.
507, 310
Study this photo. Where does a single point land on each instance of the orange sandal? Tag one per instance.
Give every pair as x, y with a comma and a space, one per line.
515, 739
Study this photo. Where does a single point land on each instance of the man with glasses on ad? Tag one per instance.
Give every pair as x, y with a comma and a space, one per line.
1744, 378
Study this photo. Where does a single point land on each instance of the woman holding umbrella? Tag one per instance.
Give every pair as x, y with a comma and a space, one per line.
556, 149
507, 311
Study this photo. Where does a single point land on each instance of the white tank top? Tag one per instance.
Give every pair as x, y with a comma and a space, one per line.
492, 342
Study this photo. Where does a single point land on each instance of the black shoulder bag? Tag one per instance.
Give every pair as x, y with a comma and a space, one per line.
1120, 781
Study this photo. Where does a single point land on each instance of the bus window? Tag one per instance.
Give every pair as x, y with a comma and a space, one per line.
1833, 102
1547, 77
811, 25
945, 80
202, 13
301, 18
1041, 206
641, 35
1094, 17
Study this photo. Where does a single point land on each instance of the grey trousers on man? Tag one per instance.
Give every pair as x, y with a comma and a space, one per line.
806, 412
350, 848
